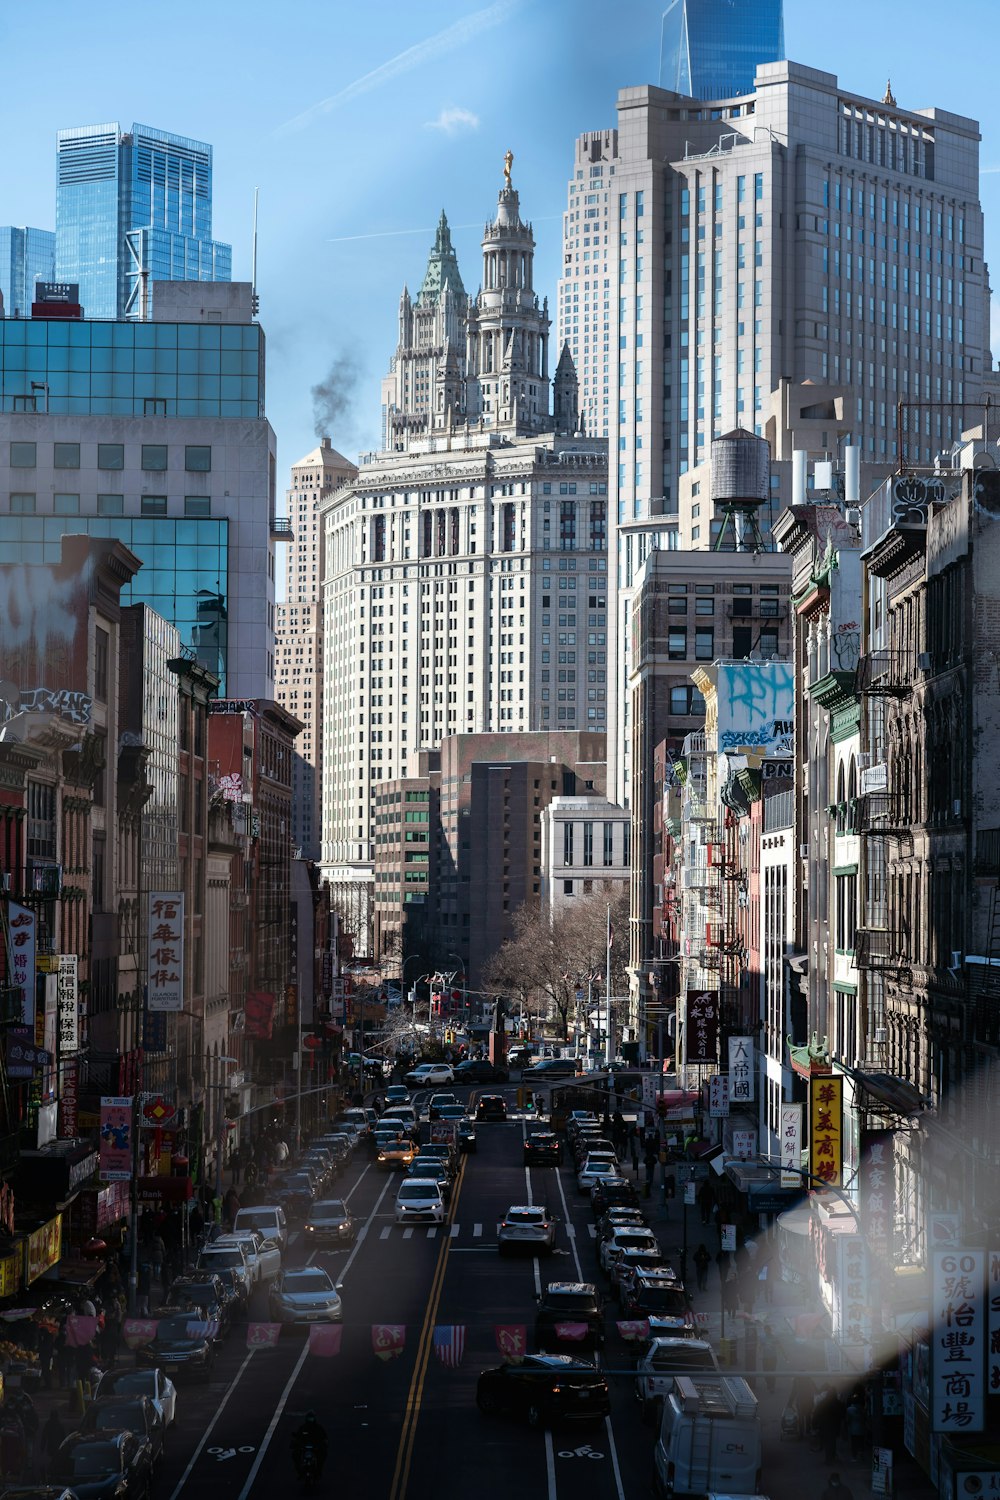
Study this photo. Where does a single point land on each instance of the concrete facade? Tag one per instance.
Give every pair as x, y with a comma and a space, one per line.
585, 850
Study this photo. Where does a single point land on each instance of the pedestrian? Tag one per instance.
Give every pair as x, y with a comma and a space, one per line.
804, 1400
236, 1163
633, 1146
702, 1261
768, 1355
144, 1285
650, 1172
706, 1201
765, 1278
52, 1435
157, 1255
748, 1287
854, 1420
110, 1335
46, 1352
730, 1292
828, 1418
836, 1489
619, 1130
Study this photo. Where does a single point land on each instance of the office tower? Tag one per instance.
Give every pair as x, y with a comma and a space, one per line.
26, 257
298, 637
133, 207
801, 233
590, 261
465, 575
186, 482
710, 49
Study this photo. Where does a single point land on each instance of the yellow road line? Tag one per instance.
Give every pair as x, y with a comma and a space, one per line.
404, 1454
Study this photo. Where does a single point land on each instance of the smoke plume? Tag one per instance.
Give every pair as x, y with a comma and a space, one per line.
333, 396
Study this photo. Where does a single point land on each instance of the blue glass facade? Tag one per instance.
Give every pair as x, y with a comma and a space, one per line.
183, 576
133, 202
133, 369
710, 49
26, 256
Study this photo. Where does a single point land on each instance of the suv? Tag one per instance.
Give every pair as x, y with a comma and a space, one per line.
228, 1257
419, 1201
268, 1218
491, 1107
478, 1070
551, 1067
563, 1309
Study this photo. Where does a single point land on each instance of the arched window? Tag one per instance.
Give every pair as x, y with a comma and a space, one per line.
841, 800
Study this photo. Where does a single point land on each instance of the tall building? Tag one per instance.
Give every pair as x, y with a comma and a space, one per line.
465, 576
590, 261
133, 207
297, 631
710, 49
26, 256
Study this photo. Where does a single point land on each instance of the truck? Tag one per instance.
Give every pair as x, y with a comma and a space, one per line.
710, 1438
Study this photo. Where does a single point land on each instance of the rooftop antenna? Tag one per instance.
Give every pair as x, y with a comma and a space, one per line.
254, 299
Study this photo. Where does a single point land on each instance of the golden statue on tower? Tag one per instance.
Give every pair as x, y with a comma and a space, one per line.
508, 162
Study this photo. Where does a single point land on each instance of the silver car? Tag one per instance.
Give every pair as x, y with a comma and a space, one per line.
306, 1295
528, 1225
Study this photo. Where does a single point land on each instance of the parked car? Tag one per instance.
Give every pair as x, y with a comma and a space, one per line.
227, 1257
527, 1226
570, 1312
113, 1466
209, 1293
478, 1070
545, 1389
593, 1169
613, 1192
331, 1223
661, 1361
152, 1383
135, 1414
630, 1261
184, 1343
269, 1218
623, 1237
262, 1256
660, 1297
305, 1295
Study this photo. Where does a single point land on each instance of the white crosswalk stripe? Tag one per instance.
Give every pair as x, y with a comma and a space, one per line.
408, 1234
592, 1231
454, 1231
432, 1232
386, 1232
477, 1230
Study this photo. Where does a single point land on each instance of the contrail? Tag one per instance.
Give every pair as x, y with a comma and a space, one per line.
433, 47
387, 234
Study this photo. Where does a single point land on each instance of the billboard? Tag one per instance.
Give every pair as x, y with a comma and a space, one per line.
741, 1068
116, 1139
165, 953
826, 1129
44, 613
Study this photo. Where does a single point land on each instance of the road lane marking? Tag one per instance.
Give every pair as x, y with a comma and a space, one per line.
386, 1232
278, 1411
592, 1231
453, 1231
408, 1233
432, 1233
208, 1430
614, 1460
572, 1238
550, 1465
477, 1230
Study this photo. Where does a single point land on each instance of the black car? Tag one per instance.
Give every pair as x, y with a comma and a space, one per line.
213, 1298
135, 1414
294, 1192
491, 1107
545, 1388
551, 1067
439, 1151
564, 1309
478, 1070
542, 1149
466, 1134
115, 1466
613, 1192
185, 1343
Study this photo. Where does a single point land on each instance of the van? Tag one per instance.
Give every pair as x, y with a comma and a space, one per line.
268, 1219
710, 1438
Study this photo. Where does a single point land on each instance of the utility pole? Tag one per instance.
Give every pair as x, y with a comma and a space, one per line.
610, 1031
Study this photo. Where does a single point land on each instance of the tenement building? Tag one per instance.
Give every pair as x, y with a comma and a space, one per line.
465, 568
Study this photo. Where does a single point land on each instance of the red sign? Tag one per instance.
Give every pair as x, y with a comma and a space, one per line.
259, 1012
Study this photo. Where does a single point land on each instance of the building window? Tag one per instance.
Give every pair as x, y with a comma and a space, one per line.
154, 457
101, 648
22, 455
66, 456
97, 876
41, 841
198, 458
588, 843
677, 640
153, 505
704, 643
111, 455
197, 505
846, 912
66, 505
567, 887
609, 844
111, 505
567, 843
22, 505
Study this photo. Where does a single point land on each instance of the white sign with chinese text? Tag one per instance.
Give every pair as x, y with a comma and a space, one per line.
21, 920
790, 1145
741, 1070
957, 1341
744, 1144
727, 1233
69, 1032
165, 951
718, 1096
852, 1322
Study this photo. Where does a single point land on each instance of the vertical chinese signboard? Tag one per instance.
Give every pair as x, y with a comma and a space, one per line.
116, 1139
69, 1097
22, 958
790, 1145
993, 1325
67, 1000
741, 1084
702, 1029
877, 1192
852, 1310
165, 950
826, 1128
957, 1339
718, 1096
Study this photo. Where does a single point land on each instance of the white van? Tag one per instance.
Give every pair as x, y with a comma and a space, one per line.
268, 1219
710, 1438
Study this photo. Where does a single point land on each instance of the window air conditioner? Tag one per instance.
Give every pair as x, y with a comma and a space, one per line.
924, 661
881, 1036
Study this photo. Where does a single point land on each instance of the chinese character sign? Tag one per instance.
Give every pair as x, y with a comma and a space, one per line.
116, 1139
826, 1129
993, 1315
851, 1310
702, 1026
718, 1096
165, 950
68, 1030
22, 958
957, 1395
790, 1145
741, 1069
877, 1191
744, 1143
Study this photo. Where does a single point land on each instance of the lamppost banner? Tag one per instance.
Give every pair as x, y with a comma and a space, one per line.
702, 1030
116, 1139
826, 1128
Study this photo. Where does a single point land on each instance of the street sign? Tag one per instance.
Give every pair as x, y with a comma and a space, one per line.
689, 1193
729, 1237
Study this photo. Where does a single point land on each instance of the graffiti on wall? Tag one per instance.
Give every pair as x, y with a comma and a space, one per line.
845, 646
44, 611
756, 706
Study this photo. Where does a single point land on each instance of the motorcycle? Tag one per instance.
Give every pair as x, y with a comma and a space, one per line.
308, 1464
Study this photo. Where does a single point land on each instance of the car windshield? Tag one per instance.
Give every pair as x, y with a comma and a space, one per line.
94, 1458
662, 1299
525, 1216
540, 1139
131, 1383
307, 1281
419, 1190
195, 1291
639, 1239
452, 1111
333, 1209
263, 1222
179, 1327
679, 1360
119, 1414
571, 1301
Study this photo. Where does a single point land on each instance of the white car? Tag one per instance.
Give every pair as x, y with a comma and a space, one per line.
152, 1383
420, 1201
662, 1360
231, 1257
595, 1168
636, 1236
528, 1224
426, 1074
263, 1256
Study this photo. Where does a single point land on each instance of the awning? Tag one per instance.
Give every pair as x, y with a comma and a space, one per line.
895, 1094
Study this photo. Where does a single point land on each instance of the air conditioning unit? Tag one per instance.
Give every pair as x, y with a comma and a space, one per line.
881, 1036
864, 759
803, 851
924, 661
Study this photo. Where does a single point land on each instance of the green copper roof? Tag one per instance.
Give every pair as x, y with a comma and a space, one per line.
442, 266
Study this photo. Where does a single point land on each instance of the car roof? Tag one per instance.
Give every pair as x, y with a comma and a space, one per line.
413, 1181
571, 1286
554, 1362
528, 1208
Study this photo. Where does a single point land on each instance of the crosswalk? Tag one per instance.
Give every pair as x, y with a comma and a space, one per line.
475, 1231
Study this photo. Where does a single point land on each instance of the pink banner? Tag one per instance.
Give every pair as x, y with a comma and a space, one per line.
634, 1328
137, 1331
388, 1339
572, 1331
80, 1329
263, 1335
325, 1340
512, 1339
116, 1139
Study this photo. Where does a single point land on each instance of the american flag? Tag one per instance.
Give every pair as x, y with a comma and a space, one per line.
449, 1344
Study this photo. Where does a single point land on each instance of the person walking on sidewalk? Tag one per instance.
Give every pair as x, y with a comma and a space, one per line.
633, 1146
702, 1261
836, 1489
829, 1418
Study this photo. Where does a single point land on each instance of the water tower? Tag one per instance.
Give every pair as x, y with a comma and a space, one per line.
741, 484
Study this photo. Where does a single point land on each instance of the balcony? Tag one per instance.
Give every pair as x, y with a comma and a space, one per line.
698, 877
281, 529
879, 948
884, 674
884, 815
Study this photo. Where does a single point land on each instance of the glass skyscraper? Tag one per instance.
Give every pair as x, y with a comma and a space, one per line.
26, 256
710, 49
132, 208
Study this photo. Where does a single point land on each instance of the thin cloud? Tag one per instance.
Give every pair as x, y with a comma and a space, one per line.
452, 121
433, 47
988, 171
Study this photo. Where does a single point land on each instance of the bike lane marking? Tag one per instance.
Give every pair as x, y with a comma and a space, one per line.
209, 1429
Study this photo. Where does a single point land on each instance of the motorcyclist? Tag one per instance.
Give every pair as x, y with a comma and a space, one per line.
312, 1434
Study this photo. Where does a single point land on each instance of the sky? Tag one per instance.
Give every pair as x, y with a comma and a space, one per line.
359, 123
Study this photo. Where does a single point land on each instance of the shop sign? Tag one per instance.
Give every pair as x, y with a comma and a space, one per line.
976, 1484
44, 1248
21, 921
958, 1354
727, 1233
744, 1144
69, 1094
69, 1039
116, 1139
741, 1069
165, 950
790, 1144
881, 1471
877, 1192
702, 1030
826, 1128
852, 1314
10, 1274
718, 1096
993, 1323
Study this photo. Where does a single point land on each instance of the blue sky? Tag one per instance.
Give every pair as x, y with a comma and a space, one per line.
360, 122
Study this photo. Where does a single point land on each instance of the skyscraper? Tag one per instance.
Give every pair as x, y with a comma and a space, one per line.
133, 207
26, 256
710, 49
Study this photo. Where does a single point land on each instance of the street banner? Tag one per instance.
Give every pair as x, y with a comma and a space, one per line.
388, 1339
993, 1325
449, 1344
68, 1031
512, 1339
263, 1335
718, 1096
741, 1070
573, 1332
165, 951
116, 1139
21, 921
826, 1128
632, 1329
325, 1341
80, 1330
702, 1030
139, 1331
957, 1341
790, 1145
877, 1193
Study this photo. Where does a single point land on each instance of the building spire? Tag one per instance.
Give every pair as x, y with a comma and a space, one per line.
442, 267
888, 97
